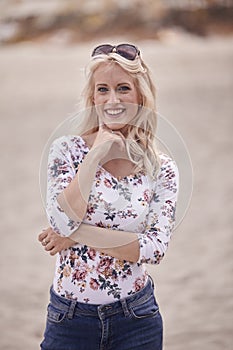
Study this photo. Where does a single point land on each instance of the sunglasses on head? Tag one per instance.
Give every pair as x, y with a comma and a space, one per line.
128, 51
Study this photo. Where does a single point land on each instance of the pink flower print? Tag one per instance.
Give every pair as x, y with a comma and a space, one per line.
90, 209
138, 181
107, 183
139, 284
73, 256
104, 267
91, 254
98, 173
94, 284
80, 272
146, 196
67, 271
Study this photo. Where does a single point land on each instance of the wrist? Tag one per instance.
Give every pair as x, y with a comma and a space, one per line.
93, 157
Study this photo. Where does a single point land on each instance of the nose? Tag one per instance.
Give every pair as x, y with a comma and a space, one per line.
113, 97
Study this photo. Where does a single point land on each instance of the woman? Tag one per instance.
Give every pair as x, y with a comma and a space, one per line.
111, 204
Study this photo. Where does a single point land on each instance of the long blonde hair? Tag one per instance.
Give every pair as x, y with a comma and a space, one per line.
140, 140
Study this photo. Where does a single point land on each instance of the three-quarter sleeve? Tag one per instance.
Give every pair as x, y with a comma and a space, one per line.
161, 217
61, 171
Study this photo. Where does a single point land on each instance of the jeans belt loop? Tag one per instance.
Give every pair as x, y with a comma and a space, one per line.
71, 310
125, 307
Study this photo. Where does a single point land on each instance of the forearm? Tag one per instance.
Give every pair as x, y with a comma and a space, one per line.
74, 198
129, 252
122, 245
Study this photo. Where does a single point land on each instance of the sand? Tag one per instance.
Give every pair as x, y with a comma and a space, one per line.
40, 85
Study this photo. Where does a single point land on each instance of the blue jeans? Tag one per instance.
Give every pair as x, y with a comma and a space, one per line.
132, 323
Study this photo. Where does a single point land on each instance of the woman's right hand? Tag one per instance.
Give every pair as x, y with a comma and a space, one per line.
109, 144
53, 242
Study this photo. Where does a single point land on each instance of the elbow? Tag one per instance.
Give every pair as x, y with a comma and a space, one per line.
153, 260
158, 257
75, 214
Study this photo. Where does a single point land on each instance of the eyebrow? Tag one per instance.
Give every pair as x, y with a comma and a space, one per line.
117, 84
102, 84
124, 84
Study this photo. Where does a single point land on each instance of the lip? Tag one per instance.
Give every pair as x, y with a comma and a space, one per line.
114, 112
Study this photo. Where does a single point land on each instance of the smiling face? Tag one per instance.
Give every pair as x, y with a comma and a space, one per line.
115, 96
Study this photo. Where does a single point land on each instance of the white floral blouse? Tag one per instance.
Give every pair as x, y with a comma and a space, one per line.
135, 203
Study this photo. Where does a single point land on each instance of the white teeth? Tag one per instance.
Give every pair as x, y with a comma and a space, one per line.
114, 111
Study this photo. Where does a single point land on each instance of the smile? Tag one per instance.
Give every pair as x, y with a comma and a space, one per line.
114, 112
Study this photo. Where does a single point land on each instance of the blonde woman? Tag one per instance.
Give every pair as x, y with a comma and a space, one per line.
111, 203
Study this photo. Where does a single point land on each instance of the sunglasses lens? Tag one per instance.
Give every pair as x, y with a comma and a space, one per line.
102, 49
127, 51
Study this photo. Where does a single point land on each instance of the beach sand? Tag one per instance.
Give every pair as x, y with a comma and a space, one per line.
40, 86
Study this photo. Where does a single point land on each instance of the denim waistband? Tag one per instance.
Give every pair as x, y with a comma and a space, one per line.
73, 307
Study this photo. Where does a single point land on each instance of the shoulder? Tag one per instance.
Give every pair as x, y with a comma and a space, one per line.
69, 149
168, 168
166, 159
69, 143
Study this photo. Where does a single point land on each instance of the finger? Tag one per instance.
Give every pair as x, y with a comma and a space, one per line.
44, 242
43, 235
118, 133
102, 127
49, 246
54, 251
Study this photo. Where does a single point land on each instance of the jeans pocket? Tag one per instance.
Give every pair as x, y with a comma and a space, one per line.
145, 309
55, 315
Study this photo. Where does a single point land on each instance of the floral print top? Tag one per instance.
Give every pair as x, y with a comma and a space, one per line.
135, 203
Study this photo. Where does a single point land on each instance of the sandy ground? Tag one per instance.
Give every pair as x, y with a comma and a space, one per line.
40, 85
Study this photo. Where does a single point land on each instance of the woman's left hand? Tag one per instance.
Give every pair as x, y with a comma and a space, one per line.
53, 242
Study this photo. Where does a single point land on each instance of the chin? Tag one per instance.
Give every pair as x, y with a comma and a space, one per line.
115, 126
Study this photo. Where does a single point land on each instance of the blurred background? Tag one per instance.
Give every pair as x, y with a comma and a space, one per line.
44, 47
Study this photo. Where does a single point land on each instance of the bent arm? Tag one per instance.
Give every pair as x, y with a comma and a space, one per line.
122, 245
161, 219
148, 246
74, 198
61, 171
55, 243
71, 173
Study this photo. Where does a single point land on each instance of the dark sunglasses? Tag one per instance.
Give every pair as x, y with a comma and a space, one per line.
128, 51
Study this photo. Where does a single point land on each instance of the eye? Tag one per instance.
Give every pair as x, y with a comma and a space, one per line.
124, 88
102, 89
